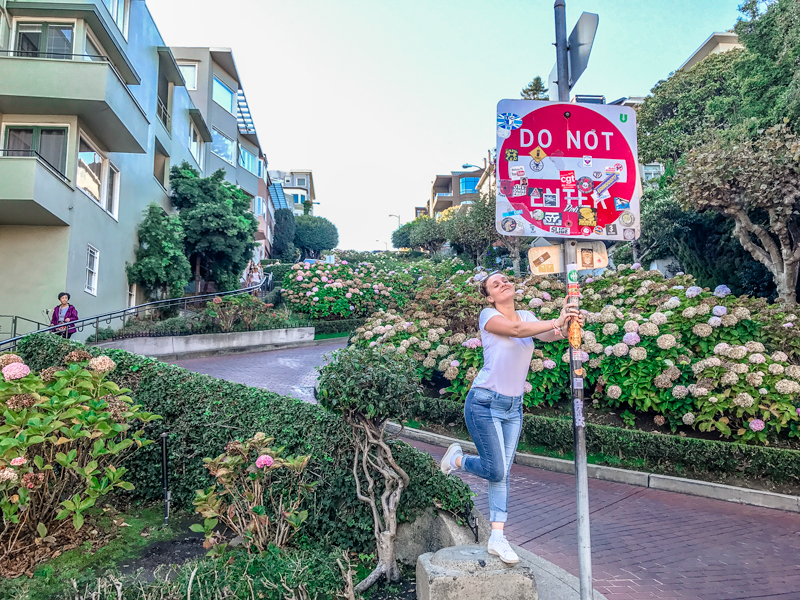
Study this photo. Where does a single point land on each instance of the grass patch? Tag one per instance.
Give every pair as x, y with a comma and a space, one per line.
84, 565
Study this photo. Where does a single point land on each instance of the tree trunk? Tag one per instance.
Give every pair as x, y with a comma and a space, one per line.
197, 276
387, 563
787, 284
637, 251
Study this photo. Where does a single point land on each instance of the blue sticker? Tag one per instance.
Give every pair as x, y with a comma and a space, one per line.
622, 204
509, 121
512, 213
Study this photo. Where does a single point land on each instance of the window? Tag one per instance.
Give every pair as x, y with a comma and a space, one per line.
301, 181
262, 169
50, 143
90, 170
92, 50
112, 190
467, 185
653, 171
44, 40
189, 73
248, 160
222, 146
92, 261
131, 295
299, 198
258, 206
118, 12
161, 166
287, 180
195, 143
224, 96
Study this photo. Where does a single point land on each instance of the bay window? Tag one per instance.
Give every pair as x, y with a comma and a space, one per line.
97, 178
50, 143
224, 96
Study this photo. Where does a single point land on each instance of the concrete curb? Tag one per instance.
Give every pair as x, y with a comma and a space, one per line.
692, 487
246, 350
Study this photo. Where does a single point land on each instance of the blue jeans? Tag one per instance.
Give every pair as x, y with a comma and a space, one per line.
494, 421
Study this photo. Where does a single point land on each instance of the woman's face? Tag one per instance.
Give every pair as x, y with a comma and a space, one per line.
64, 300
499, 288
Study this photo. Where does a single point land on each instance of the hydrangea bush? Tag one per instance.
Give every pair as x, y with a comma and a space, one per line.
63, 435
664, 346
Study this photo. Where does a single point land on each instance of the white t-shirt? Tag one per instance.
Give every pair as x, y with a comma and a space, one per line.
506, 360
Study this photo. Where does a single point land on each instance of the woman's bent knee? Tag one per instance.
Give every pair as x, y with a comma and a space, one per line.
496, 474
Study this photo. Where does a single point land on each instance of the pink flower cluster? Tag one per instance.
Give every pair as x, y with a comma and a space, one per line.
756, 425
472, 343
15, 371
19, 461
264, 461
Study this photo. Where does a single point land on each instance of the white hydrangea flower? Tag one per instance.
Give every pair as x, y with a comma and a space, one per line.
702, 330
729, 378
775, 369
793, 371
614, 392
744, 400
620, 349
638, 353
779, 356
610, 328
703, 309
648, 329
666, 341
741, 313
688, 419
631, 326
721, 348
658, 318
689, 313
737, 352
757, 358
740, 368
680, 391
785, 386
755, 346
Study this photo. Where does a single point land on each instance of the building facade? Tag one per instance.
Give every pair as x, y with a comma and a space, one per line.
455, 189
298, 188
215, 87
93, 112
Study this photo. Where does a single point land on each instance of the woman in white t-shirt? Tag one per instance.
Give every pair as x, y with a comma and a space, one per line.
493, 409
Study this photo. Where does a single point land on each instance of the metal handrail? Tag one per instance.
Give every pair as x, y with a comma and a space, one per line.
106, 318
15, 319
163, 113
9, 153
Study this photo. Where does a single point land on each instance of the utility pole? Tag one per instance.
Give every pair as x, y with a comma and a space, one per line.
575, 362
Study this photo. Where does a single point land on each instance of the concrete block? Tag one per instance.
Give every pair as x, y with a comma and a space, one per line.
433, 530
727, 493
470, 573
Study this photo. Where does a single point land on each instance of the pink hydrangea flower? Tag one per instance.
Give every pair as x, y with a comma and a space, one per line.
455, 363
324, 278
306, 266
344, 262
442, 391
299, 278
19, 461
756, 425
528, 388
635, 266
348, 295
589, 280
264, 461
788, 325
631, 338
548, 363
15, 371
546, 296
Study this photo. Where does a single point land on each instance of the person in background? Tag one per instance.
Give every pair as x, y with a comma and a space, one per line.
64, 313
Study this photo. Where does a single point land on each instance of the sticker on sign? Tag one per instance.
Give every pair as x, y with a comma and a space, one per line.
584, 161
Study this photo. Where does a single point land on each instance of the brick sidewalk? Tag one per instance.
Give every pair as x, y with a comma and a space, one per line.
646, 544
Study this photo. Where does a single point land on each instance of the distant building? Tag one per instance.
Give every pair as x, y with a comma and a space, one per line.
215, 86
420, 211
298, 188
716, 43
455, 189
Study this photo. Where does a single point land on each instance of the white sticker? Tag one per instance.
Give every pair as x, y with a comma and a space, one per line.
560, 230
517, 171
577, 383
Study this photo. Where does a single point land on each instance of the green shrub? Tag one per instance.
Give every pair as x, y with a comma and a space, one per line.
340, 326
202, 413
63, 437
279, 272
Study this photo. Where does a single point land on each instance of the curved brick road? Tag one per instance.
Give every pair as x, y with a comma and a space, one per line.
646, 544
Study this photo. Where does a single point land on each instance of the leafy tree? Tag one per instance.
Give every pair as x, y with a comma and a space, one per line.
313, 235
756, 183
472, 227
220, 229
160, 266
535, 90
307, 206
283, 239
401, 237
428, 234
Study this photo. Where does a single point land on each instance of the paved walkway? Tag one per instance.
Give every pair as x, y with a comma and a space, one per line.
646, 544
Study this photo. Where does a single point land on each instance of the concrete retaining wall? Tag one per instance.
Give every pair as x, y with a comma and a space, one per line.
213, 343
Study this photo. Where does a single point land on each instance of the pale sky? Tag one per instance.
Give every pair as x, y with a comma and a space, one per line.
379, 97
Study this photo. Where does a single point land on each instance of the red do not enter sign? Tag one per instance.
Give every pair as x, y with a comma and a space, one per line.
567, 170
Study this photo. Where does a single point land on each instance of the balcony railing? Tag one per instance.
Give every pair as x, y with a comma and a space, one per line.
443, 194
163, 114
55, 55
5, 152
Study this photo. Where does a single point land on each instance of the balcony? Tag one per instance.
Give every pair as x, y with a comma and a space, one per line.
96, 15
88, 87
442, 201
34, 192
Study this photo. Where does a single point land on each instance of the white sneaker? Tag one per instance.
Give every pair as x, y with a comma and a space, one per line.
447, 460
502, 549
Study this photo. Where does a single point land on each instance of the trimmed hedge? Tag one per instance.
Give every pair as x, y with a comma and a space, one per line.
692, 455
279, 272
202, 414
341, 326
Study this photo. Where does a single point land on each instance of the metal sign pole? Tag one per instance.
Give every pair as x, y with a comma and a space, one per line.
575, 363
